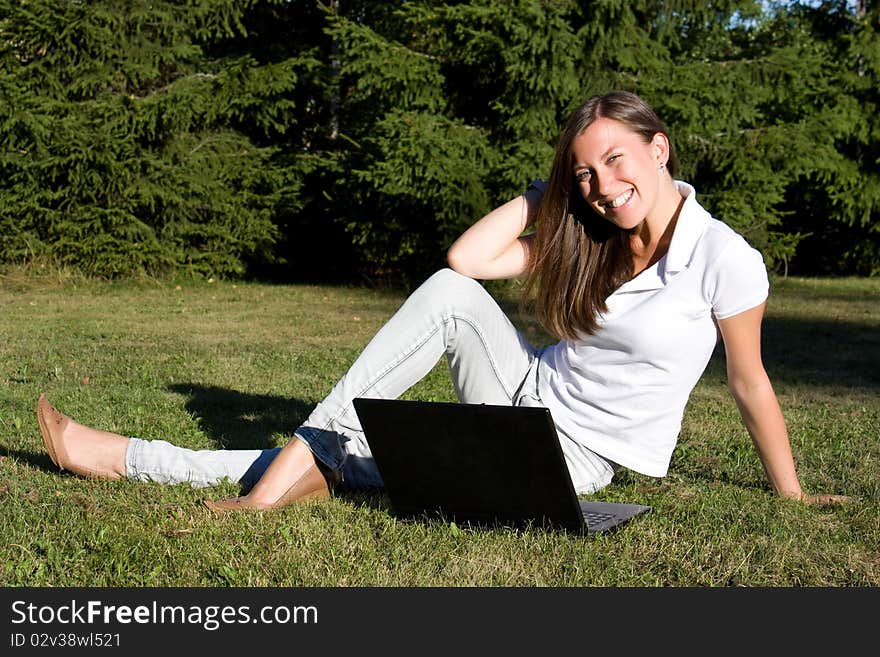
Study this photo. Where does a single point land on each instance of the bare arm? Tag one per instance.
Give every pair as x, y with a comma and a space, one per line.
758, 406
754, 395
494, 246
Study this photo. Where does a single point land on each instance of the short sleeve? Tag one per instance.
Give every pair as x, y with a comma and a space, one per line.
741, 281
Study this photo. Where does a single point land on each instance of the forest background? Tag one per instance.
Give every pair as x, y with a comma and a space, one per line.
337, 140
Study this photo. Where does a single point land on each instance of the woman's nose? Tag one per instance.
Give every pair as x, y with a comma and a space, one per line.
601, 184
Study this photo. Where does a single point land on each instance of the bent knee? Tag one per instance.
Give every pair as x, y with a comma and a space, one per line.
447, 287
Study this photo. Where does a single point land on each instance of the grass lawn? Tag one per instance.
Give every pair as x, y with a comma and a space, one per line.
212, 365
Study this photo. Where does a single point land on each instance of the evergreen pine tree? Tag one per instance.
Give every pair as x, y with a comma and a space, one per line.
365, 135
128, 148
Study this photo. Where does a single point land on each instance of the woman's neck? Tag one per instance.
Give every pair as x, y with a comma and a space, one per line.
650, 240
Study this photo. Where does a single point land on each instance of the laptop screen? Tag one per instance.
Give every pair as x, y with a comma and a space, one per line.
470, 462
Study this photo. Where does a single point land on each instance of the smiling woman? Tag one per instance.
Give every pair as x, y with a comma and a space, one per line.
610, 184
614, 166
633, 276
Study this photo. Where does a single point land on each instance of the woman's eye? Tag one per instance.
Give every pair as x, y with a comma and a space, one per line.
613, 157
582, 176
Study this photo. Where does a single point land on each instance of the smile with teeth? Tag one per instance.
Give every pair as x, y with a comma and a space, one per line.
620, 200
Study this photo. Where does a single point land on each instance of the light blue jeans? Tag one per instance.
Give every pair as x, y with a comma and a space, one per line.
489, 359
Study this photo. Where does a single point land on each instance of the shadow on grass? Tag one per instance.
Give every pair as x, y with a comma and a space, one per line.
822, 352
241, 420
819, 353
36, 460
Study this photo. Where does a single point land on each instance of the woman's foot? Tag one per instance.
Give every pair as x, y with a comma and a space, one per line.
294, 475
78, 448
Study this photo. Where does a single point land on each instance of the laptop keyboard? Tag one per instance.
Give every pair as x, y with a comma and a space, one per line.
594, 518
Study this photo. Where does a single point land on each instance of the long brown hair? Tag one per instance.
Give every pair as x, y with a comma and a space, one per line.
578, 258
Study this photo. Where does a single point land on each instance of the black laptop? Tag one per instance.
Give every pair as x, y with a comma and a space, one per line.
479, 464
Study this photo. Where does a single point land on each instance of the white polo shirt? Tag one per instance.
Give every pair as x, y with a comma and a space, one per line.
622, 391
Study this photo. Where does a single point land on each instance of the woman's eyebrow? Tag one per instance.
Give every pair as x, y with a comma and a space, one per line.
578, 165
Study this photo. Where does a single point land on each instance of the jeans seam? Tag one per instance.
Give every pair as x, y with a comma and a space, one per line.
418, 344
489, 355
373, 381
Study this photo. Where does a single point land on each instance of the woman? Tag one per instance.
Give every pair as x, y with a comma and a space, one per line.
628, 270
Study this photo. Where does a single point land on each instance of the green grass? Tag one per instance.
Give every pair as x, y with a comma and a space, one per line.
239, 365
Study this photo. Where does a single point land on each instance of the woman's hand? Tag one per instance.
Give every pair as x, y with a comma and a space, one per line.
824, 499
819, 499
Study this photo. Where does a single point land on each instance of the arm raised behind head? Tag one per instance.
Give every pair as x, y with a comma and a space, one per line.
495, 247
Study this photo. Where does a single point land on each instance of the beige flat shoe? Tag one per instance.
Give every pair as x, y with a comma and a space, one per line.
314, 484
52, 424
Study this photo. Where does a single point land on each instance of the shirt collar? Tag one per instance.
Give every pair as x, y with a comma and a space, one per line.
692, 221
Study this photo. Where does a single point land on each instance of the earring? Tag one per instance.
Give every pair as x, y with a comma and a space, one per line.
662, 166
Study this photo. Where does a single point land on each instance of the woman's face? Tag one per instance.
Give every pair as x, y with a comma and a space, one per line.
617, 172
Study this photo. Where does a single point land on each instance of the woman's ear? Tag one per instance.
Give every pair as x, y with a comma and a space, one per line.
660, 144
